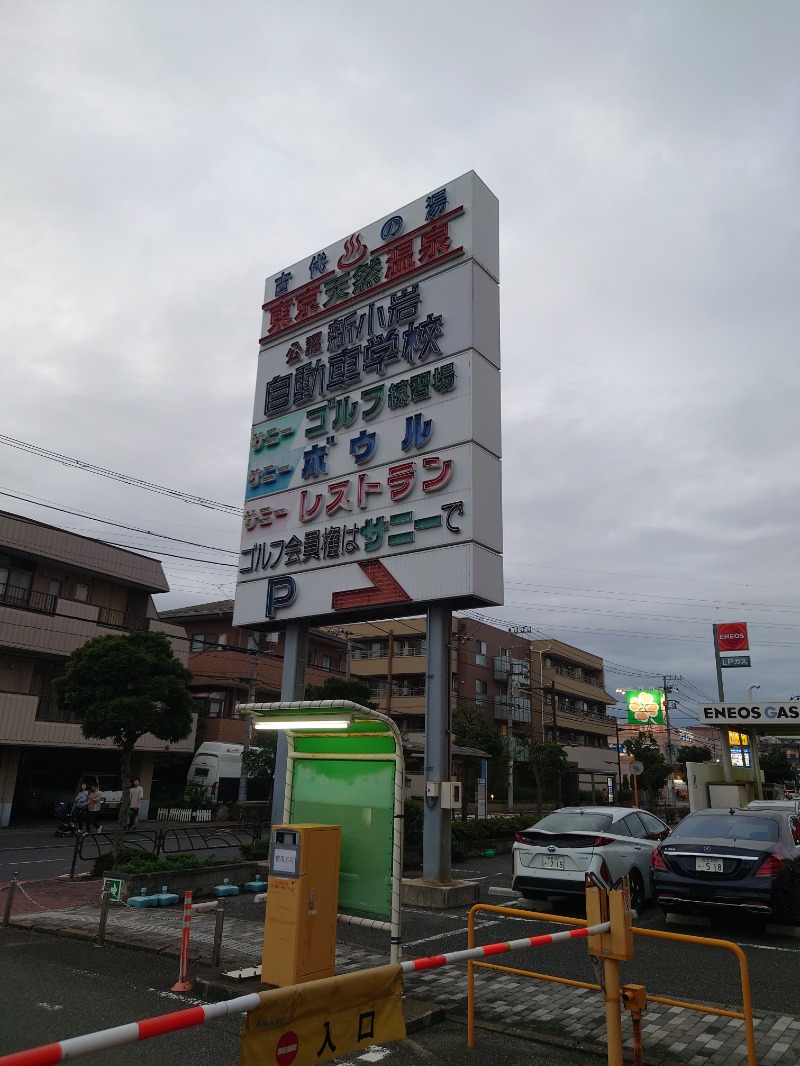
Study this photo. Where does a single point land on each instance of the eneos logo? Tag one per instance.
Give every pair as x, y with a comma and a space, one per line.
732, 636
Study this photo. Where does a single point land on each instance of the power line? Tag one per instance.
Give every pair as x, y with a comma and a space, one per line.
90, 468
117, 525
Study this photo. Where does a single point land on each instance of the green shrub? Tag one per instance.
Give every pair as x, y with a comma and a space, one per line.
196, 796
458, 850
150, 864
256, 851
482, 829
104, 863
473, 831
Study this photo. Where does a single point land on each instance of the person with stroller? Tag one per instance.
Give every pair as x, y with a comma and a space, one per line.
93, 804
79, 807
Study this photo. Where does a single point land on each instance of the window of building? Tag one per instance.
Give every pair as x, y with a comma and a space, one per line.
212, 704
481, 692
481, 651
371, 649
80, 592
409, 646
16, 577
409, 686
330, 662
203, 641
47, 709
377, 688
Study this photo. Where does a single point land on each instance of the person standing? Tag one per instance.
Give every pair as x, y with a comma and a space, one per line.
93, 805
137, 795
79, 807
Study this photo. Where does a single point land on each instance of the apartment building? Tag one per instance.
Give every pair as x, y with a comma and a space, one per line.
58, 590
514, 682
231, 666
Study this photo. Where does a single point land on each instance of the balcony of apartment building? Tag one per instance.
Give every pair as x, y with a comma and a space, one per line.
49, 610
30, 714
395, 668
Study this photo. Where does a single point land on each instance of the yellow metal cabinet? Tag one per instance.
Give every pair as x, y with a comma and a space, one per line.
302, 902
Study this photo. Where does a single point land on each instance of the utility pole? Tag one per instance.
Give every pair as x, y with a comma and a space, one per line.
511, 694
252, 686
670, 759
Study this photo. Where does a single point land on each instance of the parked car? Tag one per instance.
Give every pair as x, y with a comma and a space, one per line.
553, 857
731, 859
792, 805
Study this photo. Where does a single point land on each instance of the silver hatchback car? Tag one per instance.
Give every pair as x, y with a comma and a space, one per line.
553, 857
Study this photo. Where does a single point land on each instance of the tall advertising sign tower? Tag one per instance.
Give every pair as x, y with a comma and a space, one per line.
374, 473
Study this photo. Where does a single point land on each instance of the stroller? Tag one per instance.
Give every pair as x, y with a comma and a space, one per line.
67, 823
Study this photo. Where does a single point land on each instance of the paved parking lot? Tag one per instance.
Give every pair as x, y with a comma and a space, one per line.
514, 1002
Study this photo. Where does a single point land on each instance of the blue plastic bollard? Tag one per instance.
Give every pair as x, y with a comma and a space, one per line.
226, 889
143, 900
166, 898
255, 886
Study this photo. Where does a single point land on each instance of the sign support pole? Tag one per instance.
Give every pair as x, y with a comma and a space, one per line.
727, 765
295, 651
436, 866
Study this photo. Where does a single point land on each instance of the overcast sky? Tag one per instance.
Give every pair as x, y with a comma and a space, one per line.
161, 157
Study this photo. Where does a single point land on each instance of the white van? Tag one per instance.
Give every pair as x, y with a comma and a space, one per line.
218, 767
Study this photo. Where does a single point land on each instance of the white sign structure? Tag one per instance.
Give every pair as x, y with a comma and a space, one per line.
374, 476
770, 714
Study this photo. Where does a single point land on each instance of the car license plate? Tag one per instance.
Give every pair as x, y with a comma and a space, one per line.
552, 862
708, 866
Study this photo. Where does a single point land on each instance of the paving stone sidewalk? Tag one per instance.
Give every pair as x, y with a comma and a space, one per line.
575, 1015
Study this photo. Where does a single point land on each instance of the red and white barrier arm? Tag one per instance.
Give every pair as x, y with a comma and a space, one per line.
434, 961
49, 1054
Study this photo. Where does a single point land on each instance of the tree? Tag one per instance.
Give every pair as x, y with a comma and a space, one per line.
693, 753
259, 759
656, 772
471, 730
547, 762
776, 766
340, 688
123, 687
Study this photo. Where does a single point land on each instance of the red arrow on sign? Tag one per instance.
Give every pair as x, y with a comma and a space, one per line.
385, 589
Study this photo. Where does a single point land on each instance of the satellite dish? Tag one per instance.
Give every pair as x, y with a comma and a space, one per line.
638, 767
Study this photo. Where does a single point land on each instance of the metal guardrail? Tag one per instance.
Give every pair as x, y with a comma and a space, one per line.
207, 838
745, 1014
170, 841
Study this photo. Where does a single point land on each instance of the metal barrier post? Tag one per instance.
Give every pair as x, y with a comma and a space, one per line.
105, 898
219, 919
635, 999
612, 905
183, 984
613, 998
76, 849
12, 887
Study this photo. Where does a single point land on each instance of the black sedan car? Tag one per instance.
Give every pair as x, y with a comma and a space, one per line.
745, 859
